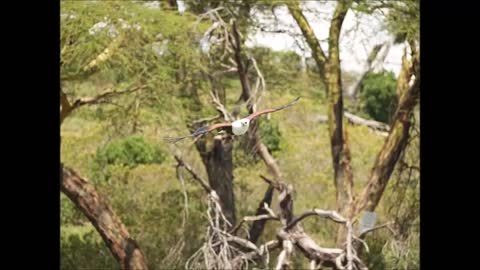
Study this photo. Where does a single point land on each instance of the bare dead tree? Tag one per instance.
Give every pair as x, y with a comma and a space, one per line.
223, 249
217, 156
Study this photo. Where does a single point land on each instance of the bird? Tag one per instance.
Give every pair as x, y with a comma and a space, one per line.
238, 127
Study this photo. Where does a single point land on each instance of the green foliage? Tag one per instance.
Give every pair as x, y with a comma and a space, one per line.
378, 95
70, 214
143, 189
130, 151
270, 134
402, 19
81, 247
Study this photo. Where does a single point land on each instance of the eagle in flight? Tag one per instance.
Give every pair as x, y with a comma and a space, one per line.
238, 127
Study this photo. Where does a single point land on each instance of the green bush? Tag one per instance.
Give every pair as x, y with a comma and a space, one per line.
378, 96
130, 151
271, 134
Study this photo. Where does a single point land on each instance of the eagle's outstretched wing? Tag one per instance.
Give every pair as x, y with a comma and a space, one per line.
257, 114
198, 132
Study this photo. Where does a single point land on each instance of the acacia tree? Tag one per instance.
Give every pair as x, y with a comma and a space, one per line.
330, 74
114, 54
408, 94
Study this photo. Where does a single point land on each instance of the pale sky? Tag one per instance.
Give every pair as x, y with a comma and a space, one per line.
356, 39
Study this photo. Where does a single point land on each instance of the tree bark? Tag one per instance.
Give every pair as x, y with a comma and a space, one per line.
395, 143
331, 76
218, 160
257, 227
399, 132
246, 95
340, 152
125, 250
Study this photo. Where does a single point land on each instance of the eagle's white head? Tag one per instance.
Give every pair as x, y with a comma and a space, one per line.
240, 127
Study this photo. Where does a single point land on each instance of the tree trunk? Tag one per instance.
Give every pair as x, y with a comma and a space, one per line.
374, 59
340, 152
172, 4
218, 161
254, 141
394, 145
331, 76
257, 227
125, 250
398, 137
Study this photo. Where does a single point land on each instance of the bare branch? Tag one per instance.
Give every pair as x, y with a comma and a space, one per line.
284, 257
202, 182
206, 119
379, 128
349, 246
308, 33
354, 119
252, 218
271, 245
363, 233
275, 184
330, 214
67, 108
260, 79
363, 243
220, 107
104, 96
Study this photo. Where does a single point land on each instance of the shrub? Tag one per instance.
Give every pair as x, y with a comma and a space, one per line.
378, 96
271, 134
130, 151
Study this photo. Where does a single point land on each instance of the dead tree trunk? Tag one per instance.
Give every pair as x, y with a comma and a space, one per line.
257, 227
125, 250
218, 160
254, 141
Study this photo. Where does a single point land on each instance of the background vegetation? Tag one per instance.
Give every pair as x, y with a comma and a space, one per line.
118, 144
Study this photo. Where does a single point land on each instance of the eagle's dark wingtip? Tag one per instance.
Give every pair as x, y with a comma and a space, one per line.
294, 101
172, 139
